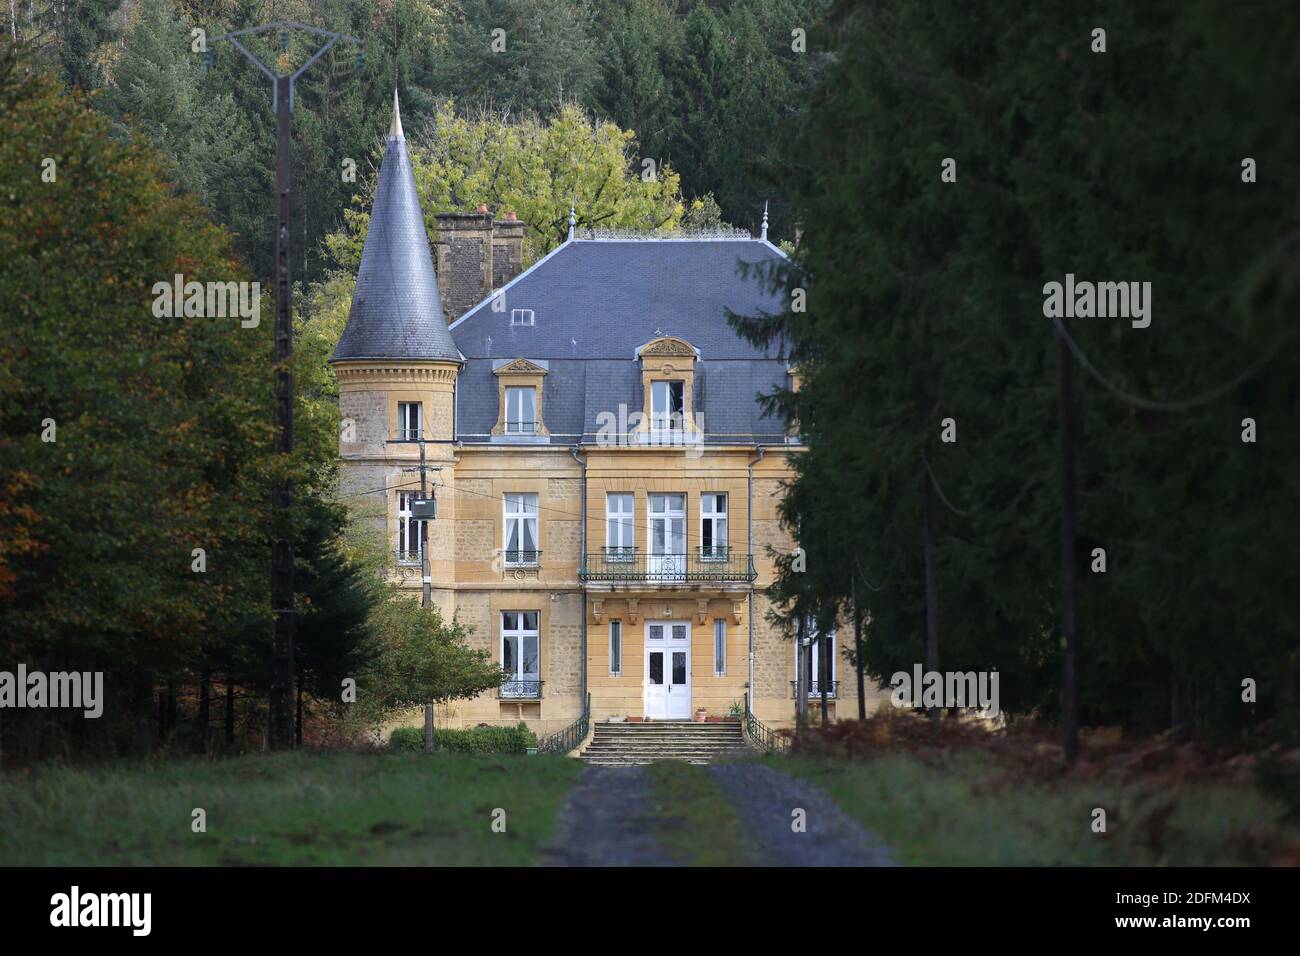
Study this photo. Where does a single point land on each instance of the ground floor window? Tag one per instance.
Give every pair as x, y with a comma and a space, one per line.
814, 647
520, 647
719, 647
616, 648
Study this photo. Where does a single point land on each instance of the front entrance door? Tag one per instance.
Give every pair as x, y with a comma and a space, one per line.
668, 670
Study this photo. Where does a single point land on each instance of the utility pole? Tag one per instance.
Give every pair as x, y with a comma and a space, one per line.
427, 508
280, 731
1069, 635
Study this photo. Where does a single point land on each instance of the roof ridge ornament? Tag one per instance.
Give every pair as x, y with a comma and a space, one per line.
395, 128
573, 219
763, 234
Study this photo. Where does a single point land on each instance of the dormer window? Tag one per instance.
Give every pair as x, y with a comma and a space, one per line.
667, 405
519, 387
521, 410
522, 317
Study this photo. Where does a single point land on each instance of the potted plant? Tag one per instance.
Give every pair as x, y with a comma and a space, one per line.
701, 715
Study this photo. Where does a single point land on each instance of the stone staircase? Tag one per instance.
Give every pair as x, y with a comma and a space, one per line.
625, 744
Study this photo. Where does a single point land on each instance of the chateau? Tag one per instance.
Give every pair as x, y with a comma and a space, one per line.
606, 481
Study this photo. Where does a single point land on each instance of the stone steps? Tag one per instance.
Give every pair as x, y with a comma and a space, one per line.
633, 744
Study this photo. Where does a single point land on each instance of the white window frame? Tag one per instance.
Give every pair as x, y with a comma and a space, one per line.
526, 317
616, 648
521, 632
406, 527
714, 519
719, 647
670, 525
406, 431
519, 509
620, 526
810, 634
663, 418
515, 422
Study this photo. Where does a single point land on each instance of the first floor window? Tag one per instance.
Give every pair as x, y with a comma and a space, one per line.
521, 528
616, 647
410, 537
520, 644
719, 647
409, 421
521, 410
667, 405
713, 527
620, 534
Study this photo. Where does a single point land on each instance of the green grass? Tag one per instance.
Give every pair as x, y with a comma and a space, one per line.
301, 808
959, 813
696, 824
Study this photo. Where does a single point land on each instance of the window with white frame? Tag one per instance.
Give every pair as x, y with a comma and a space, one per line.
521, 529
521, 410
713, 527
409, 420
719, 647
620, 531
522, 317
667, 405
814, 647
410, 537
520, 661
616, 648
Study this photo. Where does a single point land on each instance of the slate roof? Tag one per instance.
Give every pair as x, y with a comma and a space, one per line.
396, 309
596, 301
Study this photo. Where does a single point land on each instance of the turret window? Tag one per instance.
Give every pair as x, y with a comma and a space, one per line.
410, 421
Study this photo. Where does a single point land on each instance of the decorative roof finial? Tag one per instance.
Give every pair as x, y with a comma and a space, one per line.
395, 130
763, 234
573, 219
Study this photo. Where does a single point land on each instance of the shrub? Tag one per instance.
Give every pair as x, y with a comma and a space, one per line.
476, 740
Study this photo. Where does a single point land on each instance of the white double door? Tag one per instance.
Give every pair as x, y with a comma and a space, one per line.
668, 670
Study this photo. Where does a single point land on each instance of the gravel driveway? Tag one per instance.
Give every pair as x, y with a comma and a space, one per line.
608, 821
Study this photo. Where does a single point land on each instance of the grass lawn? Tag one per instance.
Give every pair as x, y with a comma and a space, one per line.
965, 810
696, 824
300, 808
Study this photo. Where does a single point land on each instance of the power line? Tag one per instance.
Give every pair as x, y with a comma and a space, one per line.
1154, 406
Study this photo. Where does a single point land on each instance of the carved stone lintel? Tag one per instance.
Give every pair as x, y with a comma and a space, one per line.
597, 609
631, 609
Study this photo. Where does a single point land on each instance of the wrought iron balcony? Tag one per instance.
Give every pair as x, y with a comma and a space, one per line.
521, 559
408, 557
814, 689
526, 689
629, 566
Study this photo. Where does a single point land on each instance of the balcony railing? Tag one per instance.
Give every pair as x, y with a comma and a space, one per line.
408, 557
526, 689
521, 559
814, 689
628, 566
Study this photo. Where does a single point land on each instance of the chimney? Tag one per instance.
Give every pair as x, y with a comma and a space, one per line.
476, 254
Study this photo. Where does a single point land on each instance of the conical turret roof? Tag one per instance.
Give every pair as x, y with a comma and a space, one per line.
396, 309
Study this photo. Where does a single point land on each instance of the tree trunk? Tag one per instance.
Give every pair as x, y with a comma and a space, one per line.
824, 677
230, 712
931, 598
203, 735
1069, 657
857, 653
297, 734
